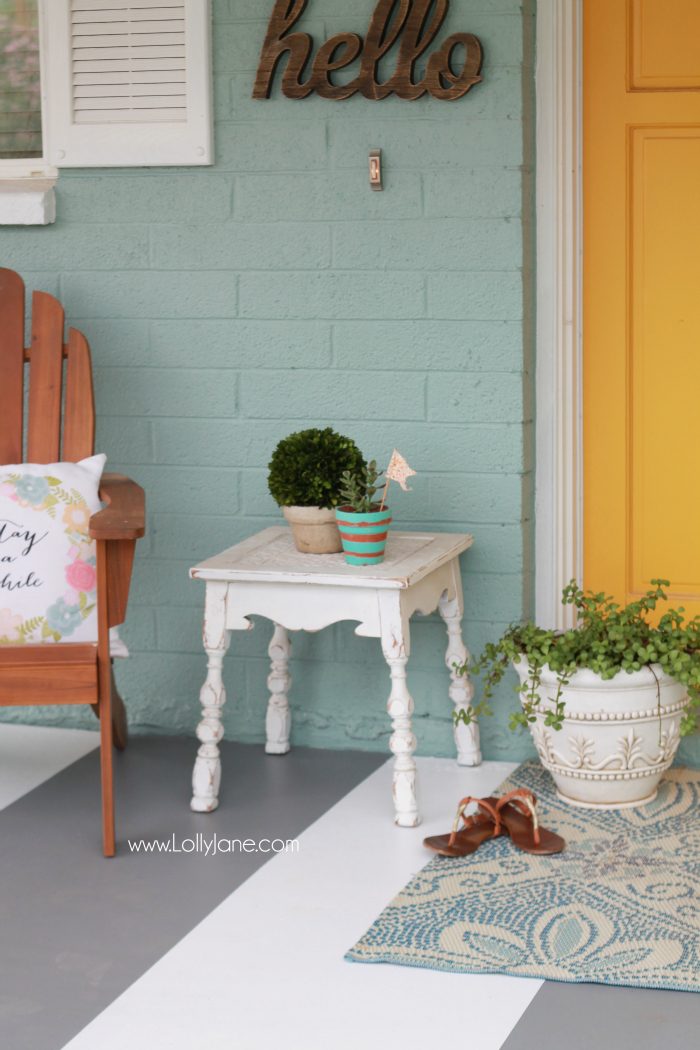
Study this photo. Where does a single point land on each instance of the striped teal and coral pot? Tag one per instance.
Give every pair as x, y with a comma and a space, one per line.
363, 535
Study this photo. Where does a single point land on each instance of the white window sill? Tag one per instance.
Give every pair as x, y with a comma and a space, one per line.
27, 202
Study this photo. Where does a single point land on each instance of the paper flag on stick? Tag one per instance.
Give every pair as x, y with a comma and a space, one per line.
399, 470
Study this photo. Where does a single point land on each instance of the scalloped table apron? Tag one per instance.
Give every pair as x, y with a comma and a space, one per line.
266, 576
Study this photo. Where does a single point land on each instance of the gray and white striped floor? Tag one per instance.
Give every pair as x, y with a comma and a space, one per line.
246, 951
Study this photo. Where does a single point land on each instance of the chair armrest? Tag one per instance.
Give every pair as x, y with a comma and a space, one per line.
124, 517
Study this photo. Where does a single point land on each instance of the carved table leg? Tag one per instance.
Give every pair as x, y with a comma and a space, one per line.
461, 688
206, 776
279, 719
402, 744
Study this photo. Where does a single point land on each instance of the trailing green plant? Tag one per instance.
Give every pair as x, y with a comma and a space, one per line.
306, 468
357, 491
608, 638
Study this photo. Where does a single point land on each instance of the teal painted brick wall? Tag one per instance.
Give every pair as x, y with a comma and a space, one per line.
228, 306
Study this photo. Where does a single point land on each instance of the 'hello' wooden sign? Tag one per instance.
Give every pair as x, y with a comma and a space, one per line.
410, 25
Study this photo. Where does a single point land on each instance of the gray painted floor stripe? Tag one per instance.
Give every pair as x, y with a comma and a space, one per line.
583, 1016
76, 929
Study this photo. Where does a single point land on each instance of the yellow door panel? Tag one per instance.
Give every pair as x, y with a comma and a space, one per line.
663, 47
665, 362
642, 297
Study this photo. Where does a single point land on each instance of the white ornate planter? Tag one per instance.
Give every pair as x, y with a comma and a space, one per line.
618, 737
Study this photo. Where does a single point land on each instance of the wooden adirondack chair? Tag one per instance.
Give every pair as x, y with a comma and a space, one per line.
66, 673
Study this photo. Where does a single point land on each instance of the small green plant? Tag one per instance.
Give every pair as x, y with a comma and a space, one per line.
306, 468
357, 491
607, 639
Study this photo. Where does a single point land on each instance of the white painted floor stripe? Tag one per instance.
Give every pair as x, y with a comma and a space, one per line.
266, 967
29, 755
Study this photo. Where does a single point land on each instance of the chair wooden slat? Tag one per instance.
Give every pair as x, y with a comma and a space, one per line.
67, 653
79, 411
48, 674
45, 379
11, 365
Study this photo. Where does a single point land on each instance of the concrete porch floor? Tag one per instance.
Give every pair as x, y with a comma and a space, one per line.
183, 951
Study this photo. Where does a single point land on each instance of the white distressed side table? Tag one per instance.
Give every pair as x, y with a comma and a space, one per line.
266, 576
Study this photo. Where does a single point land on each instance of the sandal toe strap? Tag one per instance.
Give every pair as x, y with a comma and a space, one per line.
525, 801
488, 813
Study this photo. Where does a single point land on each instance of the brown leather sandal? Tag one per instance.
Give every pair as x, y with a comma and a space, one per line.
518, 813
483, 825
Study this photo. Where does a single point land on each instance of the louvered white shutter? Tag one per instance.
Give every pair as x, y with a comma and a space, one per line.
127, 82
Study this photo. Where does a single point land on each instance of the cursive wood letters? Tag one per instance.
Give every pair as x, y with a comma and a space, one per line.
412, 24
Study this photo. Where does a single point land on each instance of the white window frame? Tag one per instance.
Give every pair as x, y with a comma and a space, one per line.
559, 426
27, 184
27, 195
33, 167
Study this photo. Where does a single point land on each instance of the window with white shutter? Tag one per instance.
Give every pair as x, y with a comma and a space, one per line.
127, 82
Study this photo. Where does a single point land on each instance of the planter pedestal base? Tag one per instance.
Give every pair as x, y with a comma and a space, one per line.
605, 805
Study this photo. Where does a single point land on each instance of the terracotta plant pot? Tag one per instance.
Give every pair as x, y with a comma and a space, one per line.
314, 529
618, 738
363, 535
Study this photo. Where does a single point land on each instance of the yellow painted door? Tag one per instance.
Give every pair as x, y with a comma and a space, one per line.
641, 343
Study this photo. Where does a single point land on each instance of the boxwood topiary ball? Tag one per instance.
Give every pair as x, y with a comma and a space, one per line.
306, 468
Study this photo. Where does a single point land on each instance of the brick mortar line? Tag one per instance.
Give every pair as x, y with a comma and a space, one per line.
319, 369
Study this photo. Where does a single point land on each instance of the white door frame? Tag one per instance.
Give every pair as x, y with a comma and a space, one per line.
559, 426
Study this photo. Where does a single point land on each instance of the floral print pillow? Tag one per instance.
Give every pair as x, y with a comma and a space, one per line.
48, 574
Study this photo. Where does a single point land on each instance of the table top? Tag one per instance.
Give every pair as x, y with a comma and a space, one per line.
270, 556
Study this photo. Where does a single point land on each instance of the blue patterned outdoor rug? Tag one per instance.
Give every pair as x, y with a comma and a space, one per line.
621, 905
